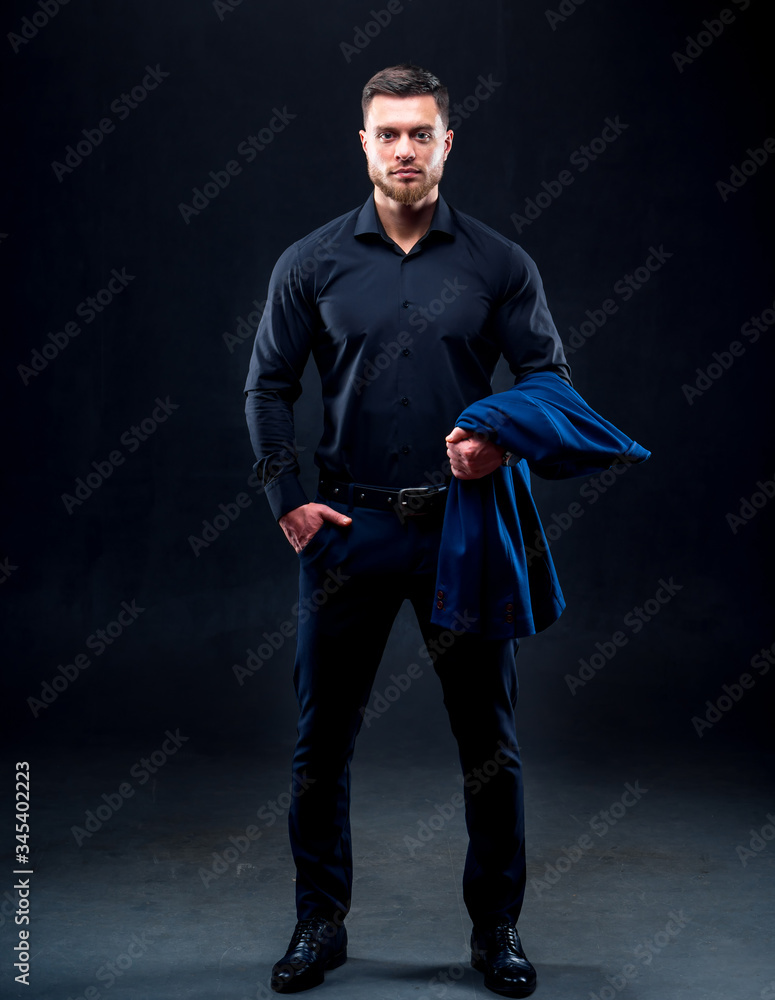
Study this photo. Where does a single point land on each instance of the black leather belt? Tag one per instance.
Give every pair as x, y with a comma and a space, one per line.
406, 501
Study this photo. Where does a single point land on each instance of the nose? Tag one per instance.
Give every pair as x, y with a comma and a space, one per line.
404, 148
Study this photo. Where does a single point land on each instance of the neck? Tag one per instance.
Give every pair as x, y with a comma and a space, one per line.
405, 220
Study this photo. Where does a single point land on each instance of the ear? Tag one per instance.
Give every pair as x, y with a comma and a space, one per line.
364, 140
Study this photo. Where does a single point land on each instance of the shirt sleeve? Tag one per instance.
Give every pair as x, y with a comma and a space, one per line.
280, 352
526, 332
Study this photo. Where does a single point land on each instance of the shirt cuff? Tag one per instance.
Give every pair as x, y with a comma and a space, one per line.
284, 494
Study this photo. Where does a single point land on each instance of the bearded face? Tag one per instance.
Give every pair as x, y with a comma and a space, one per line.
406, 145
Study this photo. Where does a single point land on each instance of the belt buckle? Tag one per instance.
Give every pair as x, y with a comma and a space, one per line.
410, 492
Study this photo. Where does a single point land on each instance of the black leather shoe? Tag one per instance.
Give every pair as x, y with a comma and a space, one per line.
497, 952
317, 944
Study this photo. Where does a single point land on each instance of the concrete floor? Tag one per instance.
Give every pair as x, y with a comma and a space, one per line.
170, 897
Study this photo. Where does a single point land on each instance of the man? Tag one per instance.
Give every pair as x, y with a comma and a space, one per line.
406, 306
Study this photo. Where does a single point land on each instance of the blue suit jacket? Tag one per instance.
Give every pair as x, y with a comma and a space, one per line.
495, 573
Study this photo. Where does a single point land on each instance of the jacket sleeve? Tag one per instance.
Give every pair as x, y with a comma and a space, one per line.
280, 352
546, 422
524, 326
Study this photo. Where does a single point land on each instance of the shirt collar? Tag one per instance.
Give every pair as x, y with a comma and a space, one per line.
368, 221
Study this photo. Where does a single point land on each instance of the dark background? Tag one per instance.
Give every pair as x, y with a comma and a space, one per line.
67, 574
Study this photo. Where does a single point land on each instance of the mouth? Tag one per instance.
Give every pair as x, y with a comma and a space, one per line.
406, 172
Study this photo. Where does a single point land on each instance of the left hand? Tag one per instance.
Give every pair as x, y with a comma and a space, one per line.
472, 455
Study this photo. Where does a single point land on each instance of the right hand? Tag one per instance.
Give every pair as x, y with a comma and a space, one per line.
302, 523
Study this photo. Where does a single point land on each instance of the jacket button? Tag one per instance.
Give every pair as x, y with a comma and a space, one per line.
440, 605
509, 618
509, 607
439, 594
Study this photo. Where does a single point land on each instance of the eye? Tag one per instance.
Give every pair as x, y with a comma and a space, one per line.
384, 135
423, 136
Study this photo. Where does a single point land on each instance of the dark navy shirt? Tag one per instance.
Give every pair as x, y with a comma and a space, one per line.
404, 342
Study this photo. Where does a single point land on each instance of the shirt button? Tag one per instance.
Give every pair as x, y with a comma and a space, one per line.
406, 352
404, 401
405, 304
405, 449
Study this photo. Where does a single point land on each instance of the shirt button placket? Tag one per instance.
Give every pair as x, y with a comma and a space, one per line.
402, 374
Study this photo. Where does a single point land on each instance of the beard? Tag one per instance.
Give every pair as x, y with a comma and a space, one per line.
406, 194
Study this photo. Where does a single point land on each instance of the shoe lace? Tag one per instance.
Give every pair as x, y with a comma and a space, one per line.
308, 931
505, 936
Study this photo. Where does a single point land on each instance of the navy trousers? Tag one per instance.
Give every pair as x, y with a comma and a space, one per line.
353, 581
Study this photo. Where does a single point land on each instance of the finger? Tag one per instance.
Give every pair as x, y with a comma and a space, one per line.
455, 435
329, 514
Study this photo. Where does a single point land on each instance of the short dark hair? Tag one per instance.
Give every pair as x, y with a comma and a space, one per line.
406, 80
